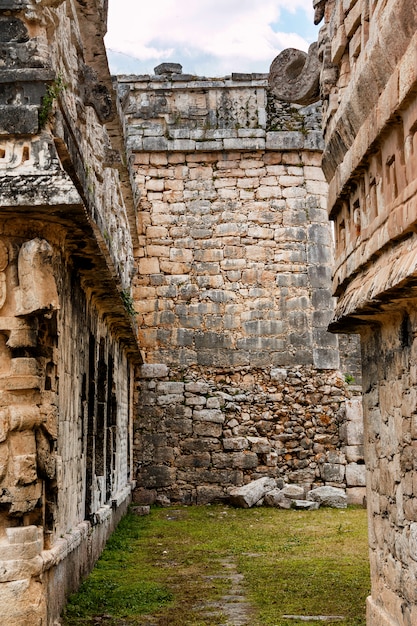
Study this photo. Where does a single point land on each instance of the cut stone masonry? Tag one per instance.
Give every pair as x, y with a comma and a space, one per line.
369, 86
234, 255
232, 291
68, 345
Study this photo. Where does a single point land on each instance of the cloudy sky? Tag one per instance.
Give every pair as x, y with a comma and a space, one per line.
208, 37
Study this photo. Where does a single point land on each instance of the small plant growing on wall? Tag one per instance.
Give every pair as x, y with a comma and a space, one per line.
53, 91
128, 302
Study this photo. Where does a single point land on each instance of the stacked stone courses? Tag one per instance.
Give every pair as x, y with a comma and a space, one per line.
225, 256
233, 237
68, 346
369, 86
233, 284
202, 433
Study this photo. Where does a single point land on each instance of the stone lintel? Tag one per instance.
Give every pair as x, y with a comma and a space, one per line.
189, 82
253, 139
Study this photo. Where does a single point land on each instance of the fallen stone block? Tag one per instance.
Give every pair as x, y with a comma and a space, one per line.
304, 505
329, 496
250, 494
293, 492
162, 500
276, 498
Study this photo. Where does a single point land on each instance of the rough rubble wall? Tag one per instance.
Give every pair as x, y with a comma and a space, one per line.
232, 292
67, 340
369, 85
202, 431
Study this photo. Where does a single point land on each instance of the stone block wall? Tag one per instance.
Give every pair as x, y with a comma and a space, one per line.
231, 266
202, 431
67, 337
369, 85
390, 436
66, 406
233, 291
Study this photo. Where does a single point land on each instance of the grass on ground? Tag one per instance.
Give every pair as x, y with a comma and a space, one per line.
161, 569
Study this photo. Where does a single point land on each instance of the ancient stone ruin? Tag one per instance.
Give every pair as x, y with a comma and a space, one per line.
241, 378
68, 343
369, 87
165, 288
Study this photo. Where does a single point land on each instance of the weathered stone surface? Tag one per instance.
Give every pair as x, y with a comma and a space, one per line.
245, 430
355, 475
333, 472
37, 289
293, 492
144, 497
276, 498
294, 75
18, 120
236, 443
248, 495
328, 496
168, 68
224, 227
153, 370
66, 243
368, 84
304, 505
354, 453
97, 95
356, 495
141, 510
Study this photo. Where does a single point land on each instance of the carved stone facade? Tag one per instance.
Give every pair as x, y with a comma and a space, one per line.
227, 266
233, 293
369, 86
67, 343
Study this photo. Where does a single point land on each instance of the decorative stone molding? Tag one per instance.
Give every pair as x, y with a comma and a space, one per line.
294, 76
27, 293
96, 95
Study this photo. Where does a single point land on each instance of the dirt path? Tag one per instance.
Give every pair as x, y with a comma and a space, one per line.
234, 606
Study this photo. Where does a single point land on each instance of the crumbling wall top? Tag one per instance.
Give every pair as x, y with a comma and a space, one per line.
177, 112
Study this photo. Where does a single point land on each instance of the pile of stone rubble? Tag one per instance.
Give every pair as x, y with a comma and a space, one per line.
266, 492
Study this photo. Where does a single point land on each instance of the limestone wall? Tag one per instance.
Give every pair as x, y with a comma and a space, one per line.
232, 291
369, 81
202, 431
389, 406
67, 336
232, 267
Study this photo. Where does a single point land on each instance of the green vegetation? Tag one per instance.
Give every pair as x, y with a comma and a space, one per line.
128, 302
52, 93
162, 569
349, 379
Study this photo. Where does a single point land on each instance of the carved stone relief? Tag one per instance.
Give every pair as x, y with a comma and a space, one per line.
27, 293
96, 94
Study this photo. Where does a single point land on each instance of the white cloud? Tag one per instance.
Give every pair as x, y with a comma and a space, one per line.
209, 36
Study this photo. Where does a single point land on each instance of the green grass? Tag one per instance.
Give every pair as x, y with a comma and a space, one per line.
160, 568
